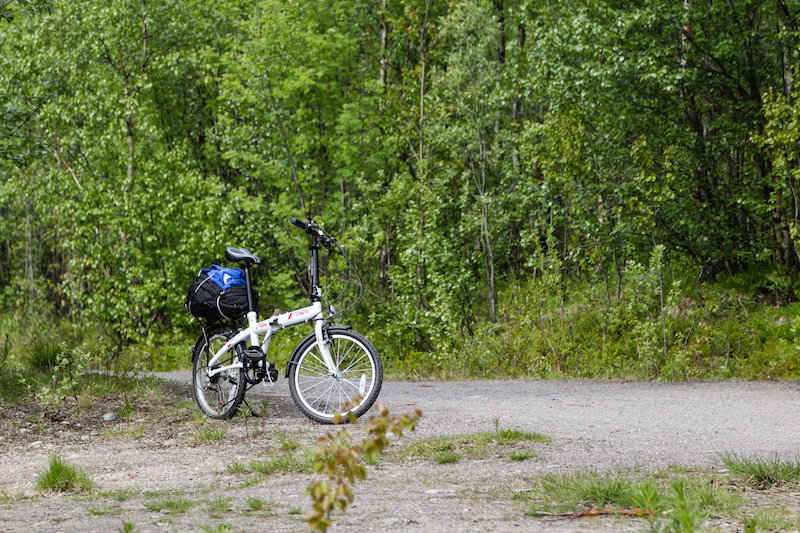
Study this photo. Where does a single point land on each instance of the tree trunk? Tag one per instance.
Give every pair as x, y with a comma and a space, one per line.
384, 41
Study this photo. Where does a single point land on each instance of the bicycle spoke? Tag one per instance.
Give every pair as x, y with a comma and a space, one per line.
313, 385
317, 361
344, 356
314, 366
355, 387
328, 398
314, 372
323, 394
363, 356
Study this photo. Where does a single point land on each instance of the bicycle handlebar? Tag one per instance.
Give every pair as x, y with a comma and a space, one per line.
299, 223
318, 236
312, 228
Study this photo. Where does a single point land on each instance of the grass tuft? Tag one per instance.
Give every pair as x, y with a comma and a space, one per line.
597, 491
43, 354
236, 467
288, 443
210, 433
219, 505
219, 528
300, 462
761, 472
522, 456
255, 504
170, 504
508, 437
63, 477
447, 458
473, 445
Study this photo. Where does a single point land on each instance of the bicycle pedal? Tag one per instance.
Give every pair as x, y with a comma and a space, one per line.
254, 353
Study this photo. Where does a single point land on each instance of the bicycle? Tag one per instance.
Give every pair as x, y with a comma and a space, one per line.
334, 369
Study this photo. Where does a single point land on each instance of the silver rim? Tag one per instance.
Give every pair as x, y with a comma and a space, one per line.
220, 396
325, 395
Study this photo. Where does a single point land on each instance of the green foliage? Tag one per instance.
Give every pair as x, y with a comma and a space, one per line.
591, 489
60, 476
447, 458
58, 372
683, 518
235, 467
774, 519
700, 331
341, 461
461, 151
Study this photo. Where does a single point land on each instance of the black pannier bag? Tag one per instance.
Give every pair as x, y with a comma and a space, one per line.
219, 293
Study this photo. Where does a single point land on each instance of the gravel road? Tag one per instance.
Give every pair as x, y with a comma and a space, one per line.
605, 425
598, 426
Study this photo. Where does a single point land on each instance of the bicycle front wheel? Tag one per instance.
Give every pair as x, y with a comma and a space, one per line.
218, 396
321, 394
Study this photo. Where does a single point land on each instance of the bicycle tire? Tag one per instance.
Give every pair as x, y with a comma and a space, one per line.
220, 396
321, 396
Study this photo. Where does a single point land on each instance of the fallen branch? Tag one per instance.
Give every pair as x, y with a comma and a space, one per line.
639, 513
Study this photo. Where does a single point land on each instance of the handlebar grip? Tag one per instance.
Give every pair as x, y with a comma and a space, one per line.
299, 223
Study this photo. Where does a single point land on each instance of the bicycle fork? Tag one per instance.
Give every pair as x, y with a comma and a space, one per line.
324, 344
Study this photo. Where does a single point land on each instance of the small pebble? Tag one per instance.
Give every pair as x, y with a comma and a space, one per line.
109, 417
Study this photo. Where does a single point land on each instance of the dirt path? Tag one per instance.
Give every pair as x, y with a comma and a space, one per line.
144, 467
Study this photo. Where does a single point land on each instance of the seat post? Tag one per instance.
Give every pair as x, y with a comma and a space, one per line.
249, 285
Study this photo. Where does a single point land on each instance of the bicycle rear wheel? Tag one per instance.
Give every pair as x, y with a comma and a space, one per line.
321, 395
218, 396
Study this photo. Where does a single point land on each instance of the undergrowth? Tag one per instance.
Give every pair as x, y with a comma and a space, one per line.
648, 323
652, 328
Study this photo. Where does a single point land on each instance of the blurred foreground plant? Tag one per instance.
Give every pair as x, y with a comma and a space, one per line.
342, 461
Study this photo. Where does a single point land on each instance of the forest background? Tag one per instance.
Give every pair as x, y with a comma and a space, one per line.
528, 188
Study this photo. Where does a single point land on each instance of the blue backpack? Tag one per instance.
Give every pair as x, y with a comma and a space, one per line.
224, 277
219, 293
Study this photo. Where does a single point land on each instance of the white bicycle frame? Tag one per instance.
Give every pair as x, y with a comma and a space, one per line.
270, 327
